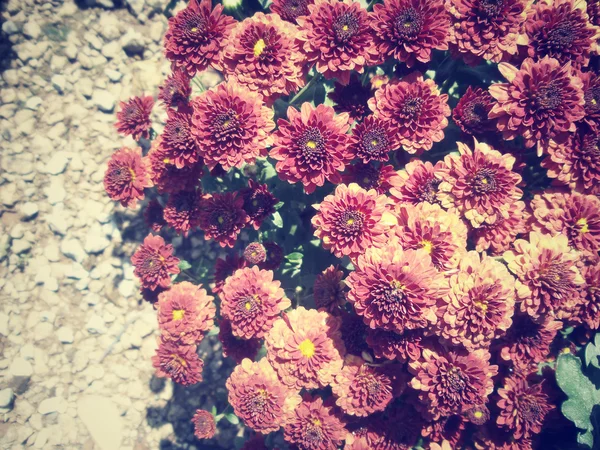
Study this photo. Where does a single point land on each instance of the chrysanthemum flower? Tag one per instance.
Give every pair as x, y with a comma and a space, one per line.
395, 289
224, 268
185, 313
541, 101
204, 424
337, 38
442, 234
373, 140
419, 182
372, 176
255, 253
232, 125
480, 305
497, 237
352, 220
256, 442
252, 301
408, 30
449, 431
154, 263
576, 162
165, 174
315, 425
591, 95
471, 112
527, 342
274, 256
589, 310
126, 177
235, 347
479, 183
477, 414
196, 36
523, 406
574, 215
182, 211
305, 348
311, 146
548, 280
354, 332
484, 29
178, 143
378, 81
452, 382
178, 362
263, 54
416, 108
259, 202
561, 29
134, 117
391, 345
491, 437
290, 10
153, 215
329, 289
259, 398
222, 217
176, 89
352, 98
361, 389
151, 296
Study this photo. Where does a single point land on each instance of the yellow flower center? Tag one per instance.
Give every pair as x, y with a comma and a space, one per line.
248, 305
593, 101
254, 202
397, 285
485, 180
583, 225
378, 83
478, 414
259, 47
481, 305
166, 160
193, 30
307, 348
565, 350
311, 144
220, 219
350, 221
317, 422
374, 142
427, 245
132, 174
178, 314
345, 28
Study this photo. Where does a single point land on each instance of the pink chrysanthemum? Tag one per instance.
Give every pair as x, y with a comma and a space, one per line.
197, 36
471, 112
178, 144
259, 202
178, 362
419, 182
166, 176
126, 177
290, 10
372, 176
329, 291
222, 217
497, 237
416, 109
352, 98
176, 89
182, 211
373, 140
234, 347
204, 424
352, 220
391, 345
185, 313
255, 253
154, 263
305, 348
589, 310
408, 30
153, 215
311, 146
591, 95
134, 117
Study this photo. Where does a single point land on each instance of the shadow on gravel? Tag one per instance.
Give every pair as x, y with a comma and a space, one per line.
6, 51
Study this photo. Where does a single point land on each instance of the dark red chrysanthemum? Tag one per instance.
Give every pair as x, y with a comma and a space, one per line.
290, 10
416, 109
263, 54
560, 29
151, 296
204, 424
352, 98
255, 253
225, 268
373, 139
274, 256
234, 347
329, 290
259, 202
372, 176
256, 442
176, 89
222, 217
541, 101
134, 117
182, 211
354, 332
178, 362
408, 30
311, 146
419, 182
523, 407
153, 214
446, 430
232, 126
487, 29
471, 112
315, 425
196, 36
391, 345
178, 144
154, 263
337, 38
165, 174
126, 177
589, 310
492, 437
497, 237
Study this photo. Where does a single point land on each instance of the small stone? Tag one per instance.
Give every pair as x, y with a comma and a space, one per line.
113, 75
133, 43
157, 30
4, 246
55, 191
96, 325
29, 210
33, 103
7, 396
52, 252
126, 288
65, 335
9, 27
32, 30
59, 83
109, 27
135, 6
104, 100
95, 241
57, 164
71, 52
42, 331
86, 87
58, 223
3, 324
52, 404
108, 432
20, 367
72, 248
111, 50
21, 246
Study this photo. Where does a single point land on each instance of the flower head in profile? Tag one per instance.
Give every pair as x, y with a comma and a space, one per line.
251, 300
153, 215
419, 182
497, 237
352, 220
232, 125
255, 253
222, 217
351, 98
166, 176
416, 109
177, 141
259, 202
126, 177
176, 89
196, 36
235, 347
541, 101
224, 268
479, 183
337, 38
369, 176
315, 425
182, 211
373, 140
263, 54
204, 424
178, 362
391, 345
329, 291
305, 348
133, 119
471, 112
290, 10
154, 263
185, 312
311, 146
259, 398
408, 30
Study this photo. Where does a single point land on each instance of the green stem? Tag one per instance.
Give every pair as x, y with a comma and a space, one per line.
197, 83
370, 5
301, 92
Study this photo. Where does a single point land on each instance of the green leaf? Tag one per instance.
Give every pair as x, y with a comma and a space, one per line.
586, 438
295, 256
213, 410
319, 95
184, 265
232, 418
277, 220
278, 206
592, 353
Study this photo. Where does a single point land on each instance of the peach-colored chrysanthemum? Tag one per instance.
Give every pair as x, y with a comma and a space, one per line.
480, 305
305, 347
419, 182
259, 398
497, 237
204, 424
548, 280
252, 301
178, 362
